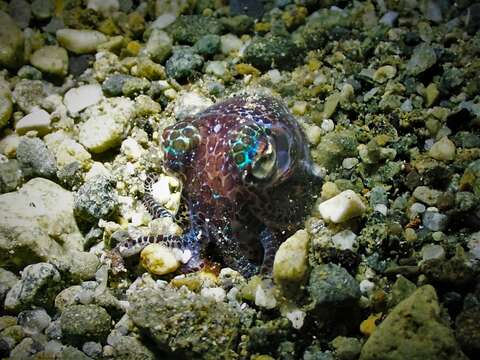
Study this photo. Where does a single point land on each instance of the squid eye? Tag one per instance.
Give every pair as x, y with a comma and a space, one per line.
264, 164
180, 138
253, 149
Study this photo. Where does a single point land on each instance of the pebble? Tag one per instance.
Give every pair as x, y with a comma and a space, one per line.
36, 159
275, 76
216, 293
345, 240
342, 207
38, 286
291, 263
349, 163
159, 46
183, 64
366, 286
78, 99
426, 195
38, 120
82, 323
11, 42
435, 221
384, 73
443, 150
189, 104
132, 149
51, 60
163, 20
80, 41
327, 125
423, 58
416, 209
34, 321
230, 43
106, 124
331, 285
159, 259
208, 45
389, 18
43, 9
265, 297
432, 251
104, 7
96, 199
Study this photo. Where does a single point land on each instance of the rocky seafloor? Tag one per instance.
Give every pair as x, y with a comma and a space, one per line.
386, 265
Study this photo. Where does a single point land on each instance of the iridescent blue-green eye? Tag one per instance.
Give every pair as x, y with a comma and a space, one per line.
254, 151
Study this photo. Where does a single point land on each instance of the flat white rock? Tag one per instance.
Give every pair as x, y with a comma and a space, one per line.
38, 120
80, 41
80, 98
342, 207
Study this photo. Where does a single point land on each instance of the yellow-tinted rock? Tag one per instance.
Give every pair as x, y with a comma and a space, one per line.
443, 150
158, 259
291, 263
368, 326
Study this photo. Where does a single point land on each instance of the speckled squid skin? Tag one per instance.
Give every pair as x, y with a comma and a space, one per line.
248, 180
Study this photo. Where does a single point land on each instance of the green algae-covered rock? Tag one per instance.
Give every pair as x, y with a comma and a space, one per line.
82, 323
273, 52
130, 348
413, 330
11, 43
188, 29
183, 64
185, 324
96, 199
423, 58
208, 44
331, 285
334, 147
467, 326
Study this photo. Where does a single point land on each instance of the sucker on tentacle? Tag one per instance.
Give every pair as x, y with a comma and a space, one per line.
248, 183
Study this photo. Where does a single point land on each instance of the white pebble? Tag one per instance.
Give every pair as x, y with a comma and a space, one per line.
190, 103
345, 240
80, 98
80, 41
215, 293
265, 297
381, 208
230, 43
105, 7
342, 207
327, 125
132, 149
275, 76
38, 120
416, 209
349, 163
162, 21
296, 317
366, 286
